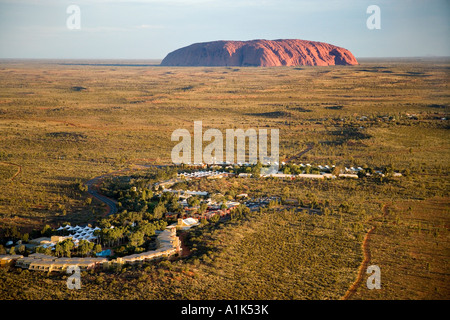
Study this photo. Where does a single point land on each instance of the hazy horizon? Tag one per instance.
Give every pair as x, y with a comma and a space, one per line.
150, 61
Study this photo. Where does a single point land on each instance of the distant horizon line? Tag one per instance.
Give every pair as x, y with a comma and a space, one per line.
160, 59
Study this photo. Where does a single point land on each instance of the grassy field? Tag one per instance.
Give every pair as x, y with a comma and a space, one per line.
62, 124
411, 245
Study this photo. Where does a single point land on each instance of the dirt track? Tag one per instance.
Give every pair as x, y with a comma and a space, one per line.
298, 155
363, 267
19, 169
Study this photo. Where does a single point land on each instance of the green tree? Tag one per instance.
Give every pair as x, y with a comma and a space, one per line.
25, 237
46, 231
203, 221
66, 247
84, 247
256, 170
215, 218
193, 201
97, 248
136, 239
159, 211
12, 232
59, 251
147, 228
203, 207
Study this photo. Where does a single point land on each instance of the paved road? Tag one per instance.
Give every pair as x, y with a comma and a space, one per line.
112, 205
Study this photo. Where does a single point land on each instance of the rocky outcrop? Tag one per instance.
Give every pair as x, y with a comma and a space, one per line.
263, 53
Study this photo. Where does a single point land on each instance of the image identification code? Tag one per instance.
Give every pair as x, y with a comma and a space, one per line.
237, 309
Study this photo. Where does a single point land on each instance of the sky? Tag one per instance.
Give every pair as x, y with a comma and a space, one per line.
150, 29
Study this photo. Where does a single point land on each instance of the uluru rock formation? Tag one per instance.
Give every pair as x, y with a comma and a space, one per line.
261, 53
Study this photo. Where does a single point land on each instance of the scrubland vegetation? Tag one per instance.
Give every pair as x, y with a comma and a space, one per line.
65, 124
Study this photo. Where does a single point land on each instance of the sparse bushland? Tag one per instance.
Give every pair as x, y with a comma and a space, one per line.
374, 115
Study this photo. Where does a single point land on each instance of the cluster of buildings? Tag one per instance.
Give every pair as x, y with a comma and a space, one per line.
212, 208
353, 172
43, 262
223, 164
302, 175
204, 174
186, 224
78, 233
322, 168
325, 173
187, 193
167, 244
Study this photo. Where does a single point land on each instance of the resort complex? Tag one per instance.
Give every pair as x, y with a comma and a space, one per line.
47, 253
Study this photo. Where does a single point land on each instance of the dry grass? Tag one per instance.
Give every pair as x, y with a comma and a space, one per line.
61, 134
411, 248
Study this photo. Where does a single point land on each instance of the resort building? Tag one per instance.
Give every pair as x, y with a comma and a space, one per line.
185, 224
9, 259
167, 242
42, 262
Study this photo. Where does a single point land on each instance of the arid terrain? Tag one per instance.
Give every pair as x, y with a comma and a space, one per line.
63, 123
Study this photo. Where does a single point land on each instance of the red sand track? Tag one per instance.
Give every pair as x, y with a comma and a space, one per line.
184, 249
363, 267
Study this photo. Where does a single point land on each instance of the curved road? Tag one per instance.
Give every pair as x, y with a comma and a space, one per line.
92, 190
110, 203
112, 209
